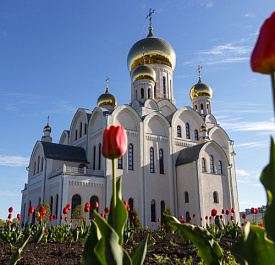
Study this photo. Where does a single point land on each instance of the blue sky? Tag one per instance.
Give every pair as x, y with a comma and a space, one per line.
55, 56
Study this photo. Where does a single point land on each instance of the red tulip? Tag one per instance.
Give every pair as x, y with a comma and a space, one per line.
66, 218
41, 208
163, 224
221, 216
86, 209
181, 217
128, 208
40, 218
10, 210
29, 214
44, 213
9, 216
153, 225
68, 206
61, 216
101, 214
96, 205
244, 216
114, 144
232, 217
105, 215
182, 221
194, 215
252, 210
214, 212
206, 217
260, 224
222, 211
201, 218
65, 210
190, 218
133, 217
242, 224
158, 219
227, 212
210, 217
232, 210
84, 218
263, 55
46, 231
54, 217
107, 210
72, 221
256, 211
51, 218
31, 209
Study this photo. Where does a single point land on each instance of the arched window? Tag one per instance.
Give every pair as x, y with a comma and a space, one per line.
152, 160
203, 165
155, 91
51, 205
187, 131
162, 207
131, 204
187, 216
161, 167
216, 197
75, 135
153, 211
211, 164
94, 156
164, 86
178, 131
201, 108
34, 167
130, 157
80, 130
220, 167
120, 163
42, 162
99, 156
93, 199
149, 94
196, 134
186, 197
142, 93
85, 128
56, 204
76, 200
38, 162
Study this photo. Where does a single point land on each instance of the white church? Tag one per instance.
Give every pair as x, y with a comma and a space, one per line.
176, 158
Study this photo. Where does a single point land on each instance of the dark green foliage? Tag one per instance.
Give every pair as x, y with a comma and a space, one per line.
168, 227
136, 222
78, 214
46, 218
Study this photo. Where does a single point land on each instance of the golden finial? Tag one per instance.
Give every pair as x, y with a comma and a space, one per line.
199, 70
48, 120
107, 88
150, 17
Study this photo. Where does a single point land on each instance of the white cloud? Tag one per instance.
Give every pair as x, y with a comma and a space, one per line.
241, 172
258, 185
249, 15
253, 144
8, 193
14, 161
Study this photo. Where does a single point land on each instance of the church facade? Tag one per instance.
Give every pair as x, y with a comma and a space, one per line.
176, 158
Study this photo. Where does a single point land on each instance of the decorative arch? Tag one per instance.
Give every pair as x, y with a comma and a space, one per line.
150, 103
93, 199
76, 200
219, 136
96, 121
166, 107
159, 122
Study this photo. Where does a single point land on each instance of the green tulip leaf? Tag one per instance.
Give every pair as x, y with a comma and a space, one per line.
88, 256
120, 213
268, 180
108, 249
139, 254
16, 255
38, 235
208, 249
255, 248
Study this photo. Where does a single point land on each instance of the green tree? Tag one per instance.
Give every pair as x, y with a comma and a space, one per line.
136, 222
2, 223
78, 214
15, 221
46, 218
169, 228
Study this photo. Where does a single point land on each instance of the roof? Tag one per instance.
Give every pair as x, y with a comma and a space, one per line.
64, 152
189, 154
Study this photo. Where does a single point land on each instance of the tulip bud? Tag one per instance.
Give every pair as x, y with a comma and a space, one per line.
46, 231
41, 208
61, 216
95, 205
222, 211
227, 212
133, 217
190, 218
101, 214
210, 218
163, 224
65, 210
158, 219
68, 206
206, 217
194, 215
244, 216
232, 210
107, 210
232, 217
66, 218
51, 218
31, 209
214, 212
181, 217
54, 217
114, 144
182, 221
9, 216
10, 210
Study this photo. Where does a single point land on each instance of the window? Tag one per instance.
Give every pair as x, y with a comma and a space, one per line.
162, 207
99, 156
34, 167
75, 135
131, 204
76, 200
80, 130
85, 128
203, 165
56, 204
220, 167
120, 163
93, 199
142, 93
94, 157
155, 91
164, 86
216, 197
130, 157
186, 197
178, 131
201, 108
153, 211
51, 205
187, 216
211, 164
42, 161
187, 131
38, 162
196, 134
149, 94
161, 168
152, 160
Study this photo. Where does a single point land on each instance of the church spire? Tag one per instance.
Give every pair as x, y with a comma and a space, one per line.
47, 132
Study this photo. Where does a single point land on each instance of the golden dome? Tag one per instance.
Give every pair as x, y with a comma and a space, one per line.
47, 128
144, 72
156, 51
106, 99
203, 128
200, 89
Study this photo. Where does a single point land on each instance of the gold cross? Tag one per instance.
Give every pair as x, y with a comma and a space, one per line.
199, 70
150, 16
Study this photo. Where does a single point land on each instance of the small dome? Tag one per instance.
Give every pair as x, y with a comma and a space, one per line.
203, 128
106, 99
144, 72
157, 50
200, 90
47, 128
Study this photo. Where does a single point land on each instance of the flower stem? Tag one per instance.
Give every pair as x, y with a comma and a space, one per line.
114, 192
272, 73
